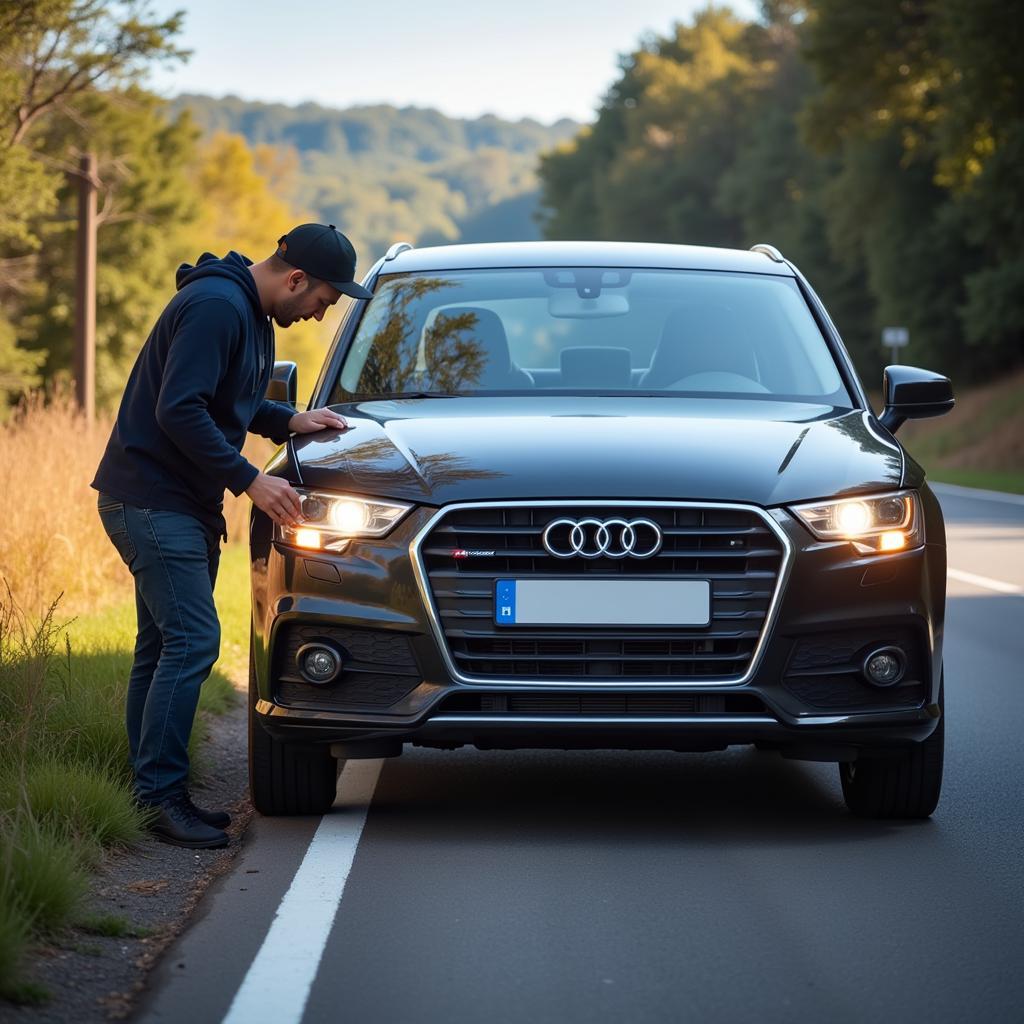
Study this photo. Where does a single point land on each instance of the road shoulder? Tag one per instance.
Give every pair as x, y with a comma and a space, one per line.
153, 889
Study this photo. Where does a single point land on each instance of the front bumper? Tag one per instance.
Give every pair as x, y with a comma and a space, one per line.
829, 599
818, 738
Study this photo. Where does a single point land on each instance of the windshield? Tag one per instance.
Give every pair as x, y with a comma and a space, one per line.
589, 330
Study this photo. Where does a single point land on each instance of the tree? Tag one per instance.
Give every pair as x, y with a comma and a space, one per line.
149, 202
243, 207
56, 58
923, 103
778, 187
68, 83
667, 131
53, 53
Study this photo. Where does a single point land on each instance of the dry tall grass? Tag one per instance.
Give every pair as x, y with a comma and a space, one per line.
51, 541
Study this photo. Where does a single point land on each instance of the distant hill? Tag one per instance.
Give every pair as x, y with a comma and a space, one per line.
383, 173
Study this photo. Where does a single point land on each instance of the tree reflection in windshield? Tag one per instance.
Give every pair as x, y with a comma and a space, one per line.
451, 360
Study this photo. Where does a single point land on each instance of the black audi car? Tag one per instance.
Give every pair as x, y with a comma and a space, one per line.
600, 495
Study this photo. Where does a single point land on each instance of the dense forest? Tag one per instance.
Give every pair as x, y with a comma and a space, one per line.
877, 144
386, 173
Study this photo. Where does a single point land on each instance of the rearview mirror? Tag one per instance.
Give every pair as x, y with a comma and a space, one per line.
284, 383
913, 394
569, 306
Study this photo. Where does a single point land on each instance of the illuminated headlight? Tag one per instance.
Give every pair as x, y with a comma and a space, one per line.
330, 521
878, 524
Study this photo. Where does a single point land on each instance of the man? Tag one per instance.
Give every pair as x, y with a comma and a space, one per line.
197, 387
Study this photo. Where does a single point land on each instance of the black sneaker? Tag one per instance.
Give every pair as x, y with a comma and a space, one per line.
176, 822
218, 819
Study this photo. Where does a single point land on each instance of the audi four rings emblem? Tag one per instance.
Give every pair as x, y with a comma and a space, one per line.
592, 538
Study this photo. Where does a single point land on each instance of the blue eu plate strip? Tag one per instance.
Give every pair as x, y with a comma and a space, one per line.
505, 602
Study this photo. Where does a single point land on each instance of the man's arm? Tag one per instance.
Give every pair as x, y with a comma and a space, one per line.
277, 428
205, 334
271, 420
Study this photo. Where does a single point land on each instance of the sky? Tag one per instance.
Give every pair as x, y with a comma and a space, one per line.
544, 59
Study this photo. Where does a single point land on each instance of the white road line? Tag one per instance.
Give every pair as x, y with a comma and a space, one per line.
956, 491
276, 988
984, 581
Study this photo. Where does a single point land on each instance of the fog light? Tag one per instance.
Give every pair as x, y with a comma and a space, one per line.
306, 538
884, 667
892, 540
318, 663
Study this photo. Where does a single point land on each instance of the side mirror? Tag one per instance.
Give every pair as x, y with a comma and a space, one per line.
913, 394
284, 383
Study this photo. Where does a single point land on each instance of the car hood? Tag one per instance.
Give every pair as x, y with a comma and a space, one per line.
436, 451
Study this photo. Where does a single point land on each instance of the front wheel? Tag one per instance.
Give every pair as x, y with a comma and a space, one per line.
907, 786
287, 778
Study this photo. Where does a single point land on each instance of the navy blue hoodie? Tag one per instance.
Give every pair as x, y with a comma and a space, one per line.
196, 388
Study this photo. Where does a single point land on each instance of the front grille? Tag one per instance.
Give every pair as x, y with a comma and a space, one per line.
379, 668
733, 548
620, 705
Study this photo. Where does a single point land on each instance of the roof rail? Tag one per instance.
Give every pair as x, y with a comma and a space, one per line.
396, 249
768, 250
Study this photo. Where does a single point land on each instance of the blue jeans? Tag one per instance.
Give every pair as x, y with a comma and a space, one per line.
173, 558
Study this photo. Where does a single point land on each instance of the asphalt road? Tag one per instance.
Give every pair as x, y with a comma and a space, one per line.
593, 887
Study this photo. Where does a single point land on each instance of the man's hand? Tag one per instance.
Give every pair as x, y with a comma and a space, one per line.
276, 497
316, 419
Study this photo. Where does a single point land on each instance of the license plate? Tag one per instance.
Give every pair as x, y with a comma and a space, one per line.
579, 602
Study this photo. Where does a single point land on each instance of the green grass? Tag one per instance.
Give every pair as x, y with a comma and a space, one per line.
986, 479
44, 872
979, 443
65, 783
84, 802
26, 993
15, 930
110, 926
85, 948
950, 434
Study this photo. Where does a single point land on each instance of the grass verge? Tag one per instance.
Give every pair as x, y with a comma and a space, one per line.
65, 783
986, 479
980, 443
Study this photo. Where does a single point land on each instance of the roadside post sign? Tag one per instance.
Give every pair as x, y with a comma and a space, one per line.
896, 338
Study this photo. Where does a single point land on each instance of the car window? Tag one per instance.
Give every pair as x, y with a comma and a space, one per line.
585, 330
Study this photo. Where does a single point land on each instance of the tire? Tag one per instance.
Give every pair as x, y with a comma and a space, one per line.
287, 778
907, 786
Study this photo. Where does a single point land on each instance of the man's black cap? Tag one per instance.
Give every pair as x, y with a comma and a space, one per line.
322, 251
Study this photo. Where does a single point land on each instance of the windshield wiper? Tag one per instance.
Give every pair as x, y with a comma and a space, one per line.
387, 395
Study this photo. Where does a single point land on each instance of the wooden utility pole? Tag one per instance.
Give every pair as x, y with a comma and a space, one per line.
85, 288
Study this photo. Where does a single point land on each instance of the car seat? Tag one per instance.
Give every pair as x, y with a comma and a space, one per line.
484, 334
704, 346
